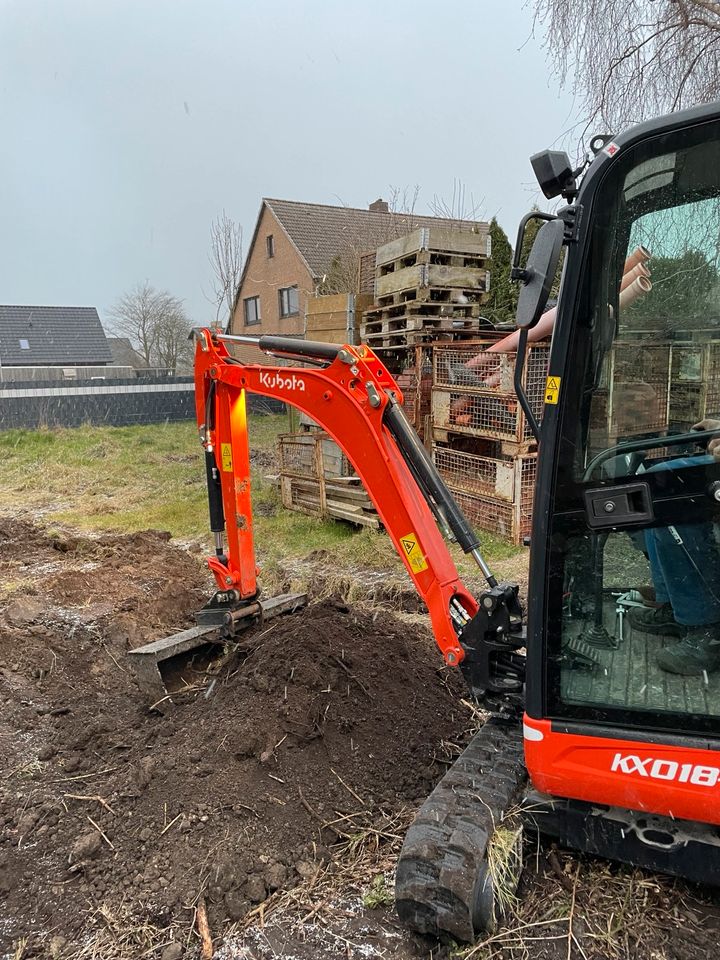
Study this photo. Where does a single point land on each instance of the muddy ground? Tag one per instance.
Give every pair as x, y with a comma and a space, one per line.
272, 792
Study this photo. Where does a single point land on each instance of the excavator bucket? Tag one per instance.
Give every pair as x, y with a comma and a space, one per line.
160, 666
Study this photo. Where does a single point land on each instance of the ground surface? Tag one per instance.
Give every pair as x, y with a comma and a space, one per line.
274, 792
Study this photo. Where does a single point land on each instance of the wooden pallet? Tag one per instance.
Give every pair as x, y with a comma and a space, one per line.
400, 339
335, 318
343, 498
423, 280
316, 478
312, 454
422, 308
390, 325
437, 296
437, 258
426, 241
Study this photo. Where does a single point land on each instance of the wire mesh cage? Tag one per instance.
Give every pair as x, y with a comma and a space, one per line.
312, 454
695, 383
473, 392
415, 381
497, 491
505, 520
633, 393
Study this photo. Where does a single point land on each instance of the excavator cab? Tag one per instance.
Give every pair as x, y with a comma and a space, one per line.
625, 551
621, 723
623, 746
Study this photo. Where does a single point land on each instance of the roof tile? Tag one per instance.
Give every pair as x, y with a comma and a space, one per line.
321, 232
54, 336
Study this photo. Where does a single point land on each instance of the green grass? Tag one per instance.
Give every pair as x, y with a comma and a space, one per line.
135, 478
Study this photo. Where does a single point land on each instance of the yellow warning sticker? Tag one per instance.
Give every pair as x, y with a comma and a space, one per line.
552, 390
226, 454
413, 553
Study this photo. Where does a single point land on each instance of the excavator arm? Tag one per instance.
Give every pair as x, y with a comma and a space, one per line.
350, 394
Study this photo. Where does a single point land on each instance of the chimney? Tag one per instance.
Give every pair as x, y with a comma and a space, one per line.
379, 206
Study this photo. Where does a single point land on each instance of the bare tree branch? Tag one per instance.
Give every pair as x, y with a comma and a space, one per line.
226, 257
157, 325
627, 60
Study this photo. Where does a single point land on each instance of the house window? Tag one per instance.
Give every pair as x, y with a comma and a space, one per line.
24, 344
289, 303
252, 310
270, 245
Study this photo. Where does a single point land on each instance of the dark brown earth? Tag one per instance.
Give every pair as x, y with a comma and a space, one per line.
319, 734
319, 715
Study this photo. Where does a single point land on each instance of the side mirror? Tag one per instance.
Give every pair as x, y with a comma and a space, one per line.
539, 273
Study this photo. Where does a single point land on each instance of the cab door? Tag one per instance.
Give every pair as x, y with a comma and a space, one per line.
625, 583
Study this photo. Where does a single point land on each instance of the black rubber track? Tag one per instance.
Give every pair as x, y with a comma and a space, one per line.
442, 884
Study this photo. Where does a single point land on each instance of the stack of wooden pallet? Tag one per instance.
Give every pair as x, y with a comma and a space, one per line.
482, 442
335, 318
316, 478
429, 285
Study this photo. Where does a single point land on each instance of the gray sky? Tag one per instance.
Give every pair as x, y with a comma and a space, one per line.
127, 126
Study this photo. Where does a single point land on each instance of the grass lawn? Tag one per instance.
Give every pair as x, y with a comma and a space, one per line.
135, 478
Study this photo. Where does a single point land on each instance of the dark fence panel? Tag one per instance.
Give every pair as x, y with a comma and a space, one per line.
120, 403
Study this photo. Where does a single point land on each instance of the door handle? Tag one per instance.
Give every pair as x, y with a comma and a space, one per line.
618, 506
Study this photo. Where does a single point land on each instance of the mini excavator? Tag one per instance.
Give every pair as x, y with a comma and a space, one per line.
604, 729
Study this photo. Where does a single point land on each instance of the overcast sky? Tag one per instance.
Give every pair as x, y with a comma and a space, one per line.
128, 126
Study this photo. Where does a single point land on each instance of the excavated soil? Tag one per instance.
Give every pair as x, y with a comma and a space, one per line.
259, 777
317, 716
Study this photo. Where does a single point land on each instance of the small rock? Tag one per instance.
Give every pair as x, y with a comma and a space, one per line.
85, 847
306, 868
173, 951
146, 769
225, 876
23, 611
275, 876
46, 753
255, 889
236, 905
57, 947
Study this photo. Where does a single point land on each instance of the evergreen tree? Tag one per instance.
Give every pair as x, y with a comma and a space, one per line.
503, 291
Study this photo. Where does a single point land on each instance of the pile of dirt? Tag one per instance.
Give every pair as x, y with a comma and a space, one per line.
318, 723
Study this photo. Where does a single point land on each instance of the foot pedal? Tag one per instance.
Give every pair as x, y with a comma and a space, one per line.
580, 655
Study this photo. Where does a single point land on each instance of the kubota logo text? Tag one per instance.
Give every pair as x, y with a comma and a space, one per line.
666, 770
276, 381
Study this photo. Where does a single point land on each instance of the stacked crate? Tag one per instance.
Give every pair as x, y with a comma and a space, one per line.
694, 383
317, 479
429, 285
482, 443
633, 393
335, 318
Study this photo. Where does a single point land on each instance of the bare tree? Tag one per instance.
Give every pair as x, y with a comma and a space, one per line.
226, 257
630, 59
400, 218
457, 207
156, 323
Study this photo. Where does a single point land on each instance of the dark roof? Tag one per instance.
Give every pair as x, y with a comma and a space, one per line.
50, 336
321, 232
124, 353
